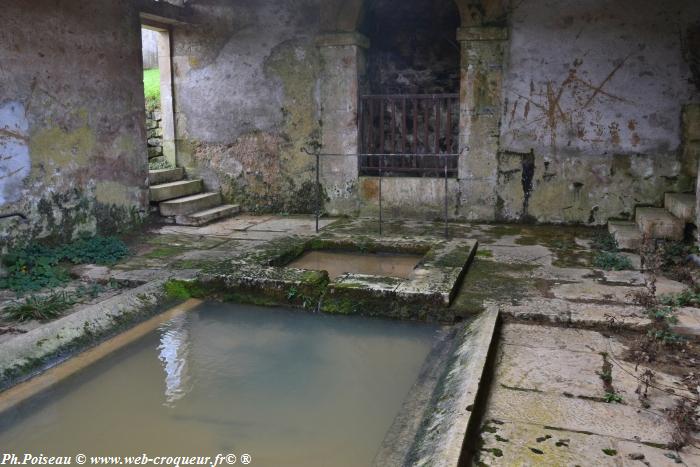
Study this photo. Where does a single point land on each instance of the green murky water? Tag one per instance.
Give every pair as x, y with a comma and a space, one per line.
288, 388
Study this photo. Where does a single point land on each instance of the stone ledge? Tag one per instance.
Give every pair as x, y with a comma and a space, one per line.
342, 39
262, 277
451, 423
477, 33
40, 348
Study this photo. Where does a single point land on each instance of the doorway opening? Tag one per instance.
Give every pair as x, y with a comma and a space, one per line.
158, 93
409, 119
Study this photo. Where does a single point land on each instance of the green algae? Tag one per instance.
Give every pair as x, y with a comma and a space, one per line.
489, 280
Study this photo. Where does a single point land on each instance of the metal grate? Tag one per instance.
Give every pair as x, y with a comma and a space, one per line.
417, 134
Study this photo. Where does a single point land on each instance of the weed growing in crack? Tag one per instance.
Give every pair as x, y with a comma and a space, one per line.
612, 397
608, 256
660, 340
41, 308
605, 374
645, 381
686, 421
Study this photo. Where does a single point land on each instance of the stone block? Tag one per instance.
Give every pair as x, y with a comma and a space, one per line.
189, 204
209, 215
691, 122
91, 273
173, 190
626, 234
658, 223
155, 152
158, 177
681, 205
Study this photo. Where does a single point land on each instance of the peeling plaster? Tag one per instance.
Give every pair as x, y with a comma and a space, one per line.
15, 164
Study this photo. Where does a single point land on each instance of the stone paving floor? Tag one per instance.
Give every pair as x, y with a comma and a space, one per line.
565, 324
563, 320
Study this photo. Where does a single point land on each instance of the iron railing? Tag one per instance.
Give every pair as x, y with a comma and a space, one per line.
411, 131
447, 161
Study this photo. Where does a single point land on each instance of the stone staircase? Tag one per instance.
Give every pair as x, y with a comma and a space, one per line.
667, 223
184, 201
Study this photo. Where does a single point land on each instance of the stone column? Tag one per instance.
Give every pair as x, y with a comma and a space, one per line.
483, 52
690, 156
166, 96
343, 59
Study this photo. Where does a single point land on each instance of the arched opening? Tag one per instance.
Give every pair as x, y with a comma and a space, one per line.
413, 46
410, 109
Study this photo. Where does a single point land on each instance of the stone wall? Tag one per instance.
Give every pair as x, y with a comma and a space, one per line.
246, 97
413, 49
571, 110
149, 48
591, 118
72, 152
154, 133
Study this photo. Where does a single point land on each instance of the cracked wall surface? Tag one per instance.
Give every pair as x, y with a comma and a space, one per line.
72, 148
247, 100
593, 93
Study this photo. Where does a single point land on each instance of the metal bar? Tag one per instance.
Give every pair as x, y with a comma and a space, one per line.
380, 194
437, 127
361, 125
370, 145
410, 96
381, 126
318, 189
449, 126
415, 132
387, 154
447, 228
426, 143
409, 169
393, 126
405, 125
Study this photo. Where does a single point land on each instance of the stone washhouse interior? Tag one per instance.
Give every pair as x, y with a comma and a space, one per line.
348, 233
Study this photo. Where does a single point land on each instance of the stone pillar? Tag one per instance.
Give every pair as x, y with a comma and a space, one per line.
343, 59
483, 52
166, 96
690, 156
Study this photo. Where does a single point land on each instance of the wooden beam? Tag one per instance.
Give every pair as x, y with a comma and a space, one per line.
160, 15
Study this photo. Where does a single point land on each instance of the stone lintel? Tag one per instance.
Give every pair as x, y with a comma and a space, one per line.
340, 39
482, 33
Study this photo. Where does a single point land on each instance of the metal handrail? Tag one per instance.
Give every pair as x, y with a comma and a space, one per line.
318, 156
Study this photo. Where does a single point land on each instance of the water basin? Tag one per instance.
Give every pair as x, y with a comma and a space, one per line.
287, 387
340, 262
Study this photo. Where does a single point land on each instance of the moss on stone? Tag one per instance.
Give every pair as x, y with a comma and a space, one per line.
489, 280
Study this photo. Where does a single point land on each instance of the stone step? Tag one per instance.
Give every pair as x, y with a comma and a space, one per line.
158, 177
172, 190
626, 234
658, 223
681, 205
189, 204
208, 215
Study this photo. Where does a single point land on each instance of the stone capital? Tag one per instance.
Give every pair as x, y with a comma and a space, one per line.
340, 39
482, 33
